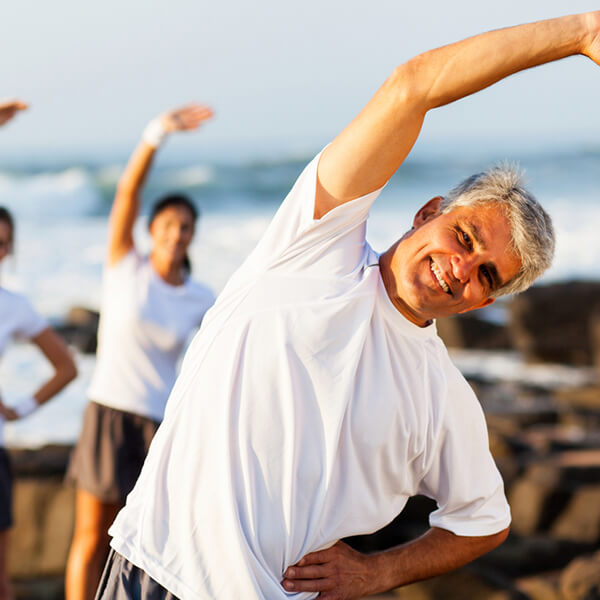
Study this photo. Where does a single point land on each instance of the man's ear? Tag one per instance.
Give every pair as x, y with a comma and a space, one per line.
486, 302
427, 211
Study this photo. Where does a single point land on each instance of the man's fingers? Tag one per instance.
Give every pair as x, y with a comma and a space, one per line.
315, 558
308, 572
307, 585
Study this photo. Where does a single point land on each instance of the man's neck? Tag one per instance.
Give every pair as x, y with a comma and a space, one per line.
389, 282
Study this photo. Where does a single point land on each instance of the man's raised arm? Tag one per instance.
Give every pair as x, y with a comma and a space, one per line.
369, 150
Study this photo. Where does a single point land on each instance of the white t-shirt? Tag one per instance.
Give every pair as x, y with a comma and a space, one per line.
308, 409
18, 321
144, 325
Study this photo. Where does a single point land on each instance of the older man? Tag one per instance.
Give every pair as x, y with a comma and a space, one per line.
317, 398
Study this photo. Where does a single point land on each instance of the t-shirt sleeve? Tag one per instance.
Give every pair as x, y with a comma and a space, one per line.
29, 322
121, 273
294, 240
462, 477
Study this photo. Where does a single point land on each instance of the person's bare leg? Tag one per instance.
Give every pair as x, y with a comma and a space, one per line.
89, 547
5, 587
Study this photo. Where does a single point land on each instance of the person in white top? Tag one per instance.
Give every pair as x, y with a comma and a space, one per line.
150, 307
19, 320
318, 397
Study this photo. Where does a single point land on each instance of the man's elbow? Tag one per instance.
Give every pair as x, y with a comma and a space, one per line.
405, 86
494, 540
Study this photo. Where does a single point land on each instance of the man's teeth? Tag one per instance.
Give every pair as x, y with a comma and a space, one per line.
438, 275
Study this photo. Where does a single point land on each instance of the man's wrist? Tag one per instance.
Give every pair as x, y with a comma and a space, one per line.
155, 133
25, 406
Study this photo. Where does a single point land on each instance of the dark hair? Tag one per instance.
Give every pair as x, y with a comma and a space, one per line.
6, 217
178, 200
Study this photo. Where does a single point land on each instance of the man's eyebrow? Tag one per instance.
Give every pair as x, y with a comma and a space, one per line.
475, 233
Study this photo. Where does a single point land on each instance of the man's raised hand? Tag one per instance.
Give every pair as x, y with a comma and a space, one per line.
593, 47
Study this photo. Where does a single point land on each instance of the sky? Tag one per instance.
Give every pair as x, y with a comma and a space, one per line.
279, 74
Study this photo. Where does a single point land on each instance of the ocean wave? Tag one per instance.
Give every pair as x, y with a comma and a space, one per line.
68, 193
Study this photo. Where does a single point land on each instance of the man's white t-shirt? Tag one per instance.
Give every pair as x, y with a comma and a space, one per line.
144, 325
18, 321
308, 409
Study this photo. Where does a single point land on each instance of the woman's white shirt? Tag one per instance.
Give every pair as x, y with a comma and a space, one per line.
18, 321
144, 326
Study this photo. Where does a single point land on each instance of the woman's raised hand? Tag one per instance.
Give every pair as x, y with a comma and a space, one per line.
9, 109
185, 118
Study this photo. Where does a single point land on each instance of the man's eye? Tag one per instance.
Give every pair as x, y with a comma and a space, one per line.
465, 239
488, 276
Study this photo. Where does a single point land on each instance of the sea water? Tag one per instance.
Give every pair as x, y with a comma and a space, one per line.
61, 210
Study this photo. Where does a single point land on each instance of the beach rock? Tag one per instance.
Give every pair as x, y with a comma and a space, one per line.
549, 487
40, 588
546, 438
470, 331
584, 399
595, 336
49, 461
581, 579
536, 499
552, 322
44, 512
80, 329
544, 587
527, 556
580, 520
44, 517
465, 584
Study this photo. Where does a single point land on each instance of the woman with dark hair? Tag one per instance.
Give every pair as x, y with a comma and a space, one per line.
149, 308
19, 320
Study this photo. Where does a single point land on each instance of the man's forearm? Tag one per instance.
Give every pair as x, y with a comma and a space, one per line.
437, 551
370, 149
451, 72
342, 573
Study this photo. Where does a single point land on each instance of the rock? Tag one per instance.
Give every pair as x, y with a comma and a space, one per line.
548, 486
581, 579
552, 322
585, 399
44, 514
528, 556
465, 584
580, 520
40, 588
535, 499
543, 587
49, 461
546, 438
469, 331
80, 329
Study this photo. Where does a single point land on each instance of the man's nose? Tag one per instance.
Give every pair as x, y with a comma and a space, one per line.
462, 266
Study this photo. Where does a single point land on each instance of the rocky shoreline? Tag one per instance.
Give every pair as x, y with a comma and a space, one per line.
545, 439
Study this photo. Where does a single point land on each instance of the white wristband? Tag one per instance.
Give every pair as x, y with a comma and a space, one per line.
155, 133
25, 406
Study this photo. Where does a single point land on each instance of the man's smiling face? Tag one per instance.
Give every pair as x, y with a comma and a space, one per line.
449, 263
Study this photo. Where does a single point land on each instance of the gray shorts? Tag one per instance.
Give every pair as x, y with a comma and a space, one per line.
122, 580
110, 452
5, 491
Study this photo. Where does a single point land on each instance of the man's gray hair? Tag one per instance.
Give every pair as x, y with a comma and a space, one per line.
531, 227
